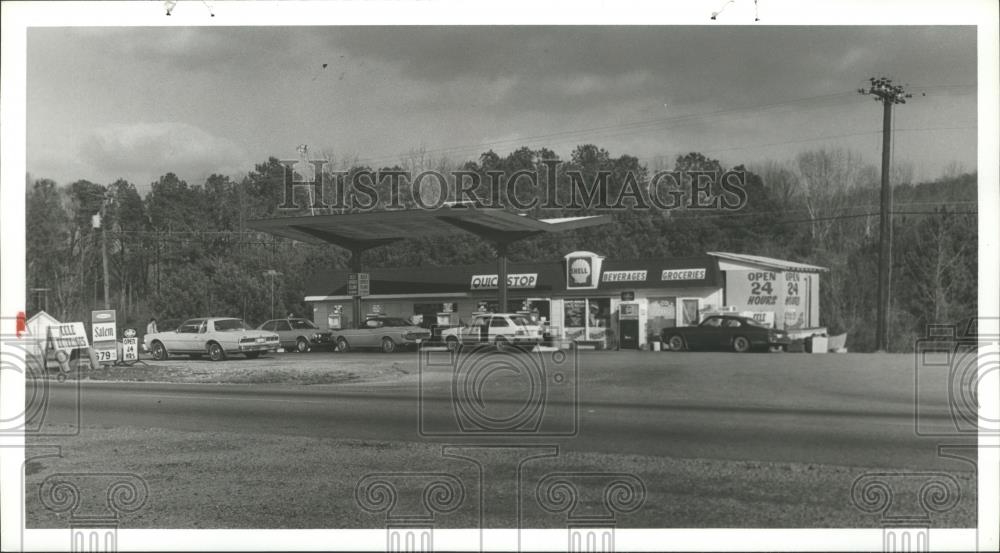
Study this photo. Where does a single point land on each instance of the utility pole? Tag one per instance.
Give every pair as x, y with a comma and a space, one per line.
272, 273
97, 222
104, 255
882, 90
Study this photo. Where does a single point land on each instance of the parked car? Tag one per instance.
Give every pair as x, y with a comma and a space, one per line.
215, 337
299, 334
385, 333
494, 328
739, 334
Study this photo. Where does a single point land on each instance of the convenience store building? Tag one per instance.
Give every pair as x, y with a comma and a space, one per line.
584, 297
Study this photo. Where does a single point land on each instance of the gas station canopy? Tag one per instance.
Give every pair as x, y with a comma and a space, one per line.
361, 231
358, 232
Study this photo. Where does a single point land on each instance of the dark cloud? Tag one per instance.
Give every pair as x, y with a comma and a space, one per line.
157, 148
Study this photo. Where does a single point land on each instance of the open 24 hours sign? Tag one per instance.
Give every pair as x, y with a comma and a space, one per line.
780, 293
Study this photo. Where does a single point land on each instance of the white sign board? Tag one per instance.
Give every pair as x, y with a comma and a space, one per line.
67, 336
130, 349
104, 335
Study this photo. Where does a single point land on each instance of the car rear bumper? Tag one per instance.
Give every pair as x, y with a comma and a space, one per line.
243, 348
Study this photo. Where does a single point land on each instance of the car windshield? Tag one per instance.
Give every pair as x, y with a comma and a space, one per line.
302, 323
394, 321
756, 323
230, 324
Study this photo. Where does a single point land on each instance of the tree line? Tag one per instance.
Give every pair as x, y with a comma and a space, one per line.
183, 250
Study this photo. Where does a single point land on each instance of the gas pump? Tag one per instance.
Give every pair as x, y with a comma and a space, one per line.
628, 325
447, 318
334, 319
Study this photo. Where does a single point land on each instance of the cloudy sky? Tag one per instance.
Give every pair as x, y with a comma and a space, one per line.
138, 102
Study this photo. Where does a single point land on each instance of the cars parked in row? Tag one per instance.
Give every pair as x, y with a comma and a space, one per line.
216, 337
494, 328
386, 334
300, 335
726, 332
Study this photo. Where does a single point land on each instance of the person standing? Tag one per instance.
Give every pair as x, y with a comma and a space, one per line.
151, 327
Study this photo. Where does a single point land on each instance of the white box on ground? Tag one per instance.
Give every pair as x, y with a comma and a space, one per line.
819, 344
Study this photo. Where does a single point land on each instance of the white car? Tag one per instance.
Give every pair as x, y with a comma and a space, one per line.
494, 328
215, 337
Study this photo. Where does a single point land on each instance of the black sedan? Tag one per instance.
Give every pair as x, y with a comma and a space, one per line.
726, 332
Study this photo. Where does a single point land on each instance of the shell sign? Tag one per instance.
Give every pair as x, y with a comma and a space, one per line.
583, 270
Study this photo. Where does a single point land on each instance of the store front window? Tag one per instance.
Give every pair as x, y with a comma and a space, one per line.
587, 318
689, 312
662, 314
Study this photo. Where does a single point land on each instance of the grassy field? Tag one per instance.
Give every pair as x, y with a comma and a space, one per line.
251, 479
225, 480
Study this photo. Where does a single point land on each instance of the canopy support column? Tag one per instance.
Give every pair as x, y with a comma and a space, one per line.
356, 268
501, 248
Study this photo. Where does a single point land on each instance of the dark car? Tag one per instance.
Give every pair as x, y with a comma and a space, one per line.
300, 334
726, 332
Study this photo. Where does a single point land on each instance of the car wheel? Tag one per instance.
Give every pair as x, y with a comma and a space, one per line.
676, 343
452, 343
252, 354
215, 352
159, 352
388, 346
501, 342
301, 345
741, 344
342, 345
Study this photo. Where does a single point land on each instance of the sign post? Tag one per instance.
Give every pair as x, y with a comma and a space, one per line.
104, 335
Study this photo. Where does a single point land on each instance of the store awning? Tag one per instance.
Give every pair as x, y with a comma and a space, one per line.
769, 262
365, 230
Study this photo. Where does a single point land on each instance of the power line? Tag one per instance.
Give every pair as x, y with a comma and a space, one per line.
630, 126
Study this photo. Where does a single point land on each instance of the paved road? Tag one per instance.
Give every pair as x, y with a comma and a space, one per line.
694, 416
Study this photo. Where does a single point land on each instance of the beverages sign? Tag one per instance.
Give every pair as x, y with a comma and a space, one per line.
623, 276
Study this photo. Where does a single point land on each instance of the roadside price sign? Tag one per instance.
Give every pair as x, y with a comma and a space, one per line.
104, 335
358, 284
364, 284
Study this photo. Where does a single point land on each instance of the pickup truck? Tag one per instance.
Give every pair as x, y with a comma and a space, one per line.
386, 334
